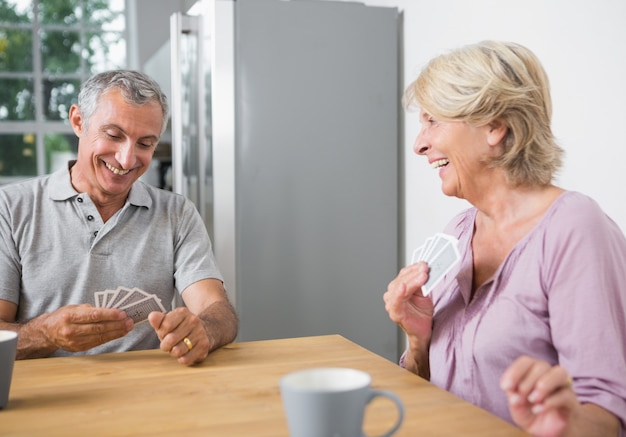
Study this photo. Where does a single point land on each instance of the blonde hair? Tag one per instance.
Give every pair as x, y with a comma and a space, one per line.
490, 81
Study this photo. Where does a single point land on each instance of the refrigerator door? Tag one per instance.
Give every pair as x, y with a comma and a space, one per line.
190, 109
315, 167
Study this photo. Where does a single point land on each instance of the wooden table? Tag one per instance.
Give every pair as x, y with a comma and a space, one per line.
234, 392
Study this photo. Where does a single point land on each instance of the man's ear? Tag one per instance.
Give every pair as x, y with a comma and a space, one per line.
496, 133
76, 120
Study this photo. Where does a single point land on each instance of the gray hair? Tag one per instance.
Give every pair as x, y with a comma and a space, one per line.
137, 88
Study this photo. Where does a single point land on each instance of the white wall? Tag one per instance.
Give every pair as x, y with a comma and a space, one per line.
582, 45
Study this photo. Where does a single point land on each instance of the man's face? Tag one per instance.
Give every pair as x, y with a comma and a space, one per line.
117, 146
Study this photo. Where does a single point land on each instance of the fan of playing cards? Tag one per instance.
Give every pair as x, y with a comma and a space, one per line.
441, 253
134, 301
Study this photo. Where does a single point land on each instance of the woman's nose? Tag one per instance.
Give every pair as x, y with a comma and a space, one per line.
421, 145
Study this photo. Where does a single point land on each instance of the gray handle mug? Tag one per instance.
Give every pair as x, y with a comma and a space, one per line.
330, 402
8, 348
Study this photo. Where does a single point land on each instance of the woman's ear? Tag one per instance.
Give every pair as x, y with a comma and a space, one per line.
496, 133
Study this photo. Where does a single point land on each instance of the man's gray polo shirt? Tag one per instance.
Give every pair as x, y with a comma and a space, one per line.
55, 250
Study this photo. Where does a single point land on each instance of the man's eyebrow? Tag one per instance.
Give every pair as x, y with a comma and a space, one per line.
149, 137
115, 126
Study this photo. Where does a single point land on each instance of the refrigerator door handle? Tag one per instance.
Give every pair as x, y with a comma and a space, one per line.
189, 126
176, 103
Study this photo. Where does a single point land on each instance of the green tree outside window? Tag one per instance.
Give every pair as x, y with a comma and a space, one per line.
47, 48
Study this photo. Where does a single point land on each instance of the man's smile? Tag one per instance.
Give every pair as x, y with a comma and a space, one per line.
115, 170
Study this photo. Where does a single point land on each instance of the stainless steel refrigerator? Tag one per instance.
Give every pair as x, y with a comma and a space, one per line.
285, 134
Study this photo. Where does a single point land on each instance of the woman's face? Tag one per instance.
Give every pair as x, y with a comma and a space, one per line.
457, 150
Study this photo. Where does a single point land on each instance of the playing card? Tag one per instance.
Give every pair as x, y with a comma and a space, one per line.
439, 265
133, 295
417, 254
138, 311
427, 244
135, 302
439, 242
99, 298
108, 295
120, 294
441, 253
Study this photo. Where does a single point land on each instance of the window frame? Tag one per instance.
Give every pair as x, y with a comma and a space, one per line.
40, 126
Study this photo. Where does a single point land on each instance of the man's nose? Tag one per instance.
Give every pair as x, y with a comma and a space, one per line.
126, 155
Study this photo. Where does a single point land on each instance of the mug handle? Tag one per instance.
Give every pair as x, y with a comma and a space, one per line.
396, 399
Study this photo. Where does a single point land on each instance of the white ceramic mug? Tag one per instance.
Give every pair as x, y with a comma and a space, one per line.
8, 347
330, 402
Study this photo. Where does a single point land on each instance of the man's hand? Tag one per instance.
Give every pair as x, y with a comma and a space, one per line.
206, 322
74, 328
182, 335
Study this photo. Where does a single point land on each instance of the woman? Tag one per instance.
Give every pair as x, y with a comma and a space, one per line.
531, 323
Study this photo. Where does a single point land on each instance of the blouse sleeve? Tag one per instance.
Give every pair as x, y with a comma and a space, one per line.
585, 280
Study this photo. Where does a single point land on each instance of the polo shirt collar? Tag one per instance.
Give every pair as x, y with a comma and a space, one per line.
61, 188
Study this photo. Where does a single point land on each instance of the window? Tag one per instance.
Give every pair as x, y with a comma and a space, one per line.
47, 49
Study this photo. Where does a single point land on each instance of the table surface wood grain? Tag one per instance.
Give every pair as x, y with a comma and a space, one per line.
234, 392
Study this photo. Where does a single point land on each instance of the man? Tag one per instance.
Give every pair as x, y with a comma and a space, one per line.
93, 226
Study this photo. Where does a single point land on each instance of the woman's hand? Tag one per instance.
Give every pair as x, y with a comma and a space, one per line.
413, 312
541, 398
405, 303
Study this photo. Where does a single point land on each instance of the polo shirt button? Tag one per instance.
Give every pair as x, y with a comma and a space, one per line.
79, 199
90, 217
95, 234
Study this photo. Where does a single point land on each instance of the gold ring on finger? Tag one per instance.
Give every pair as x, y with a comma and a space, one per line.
188, 343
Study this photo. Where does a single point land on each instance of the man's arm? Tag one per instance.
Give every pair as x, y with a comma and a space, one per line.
208, 299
